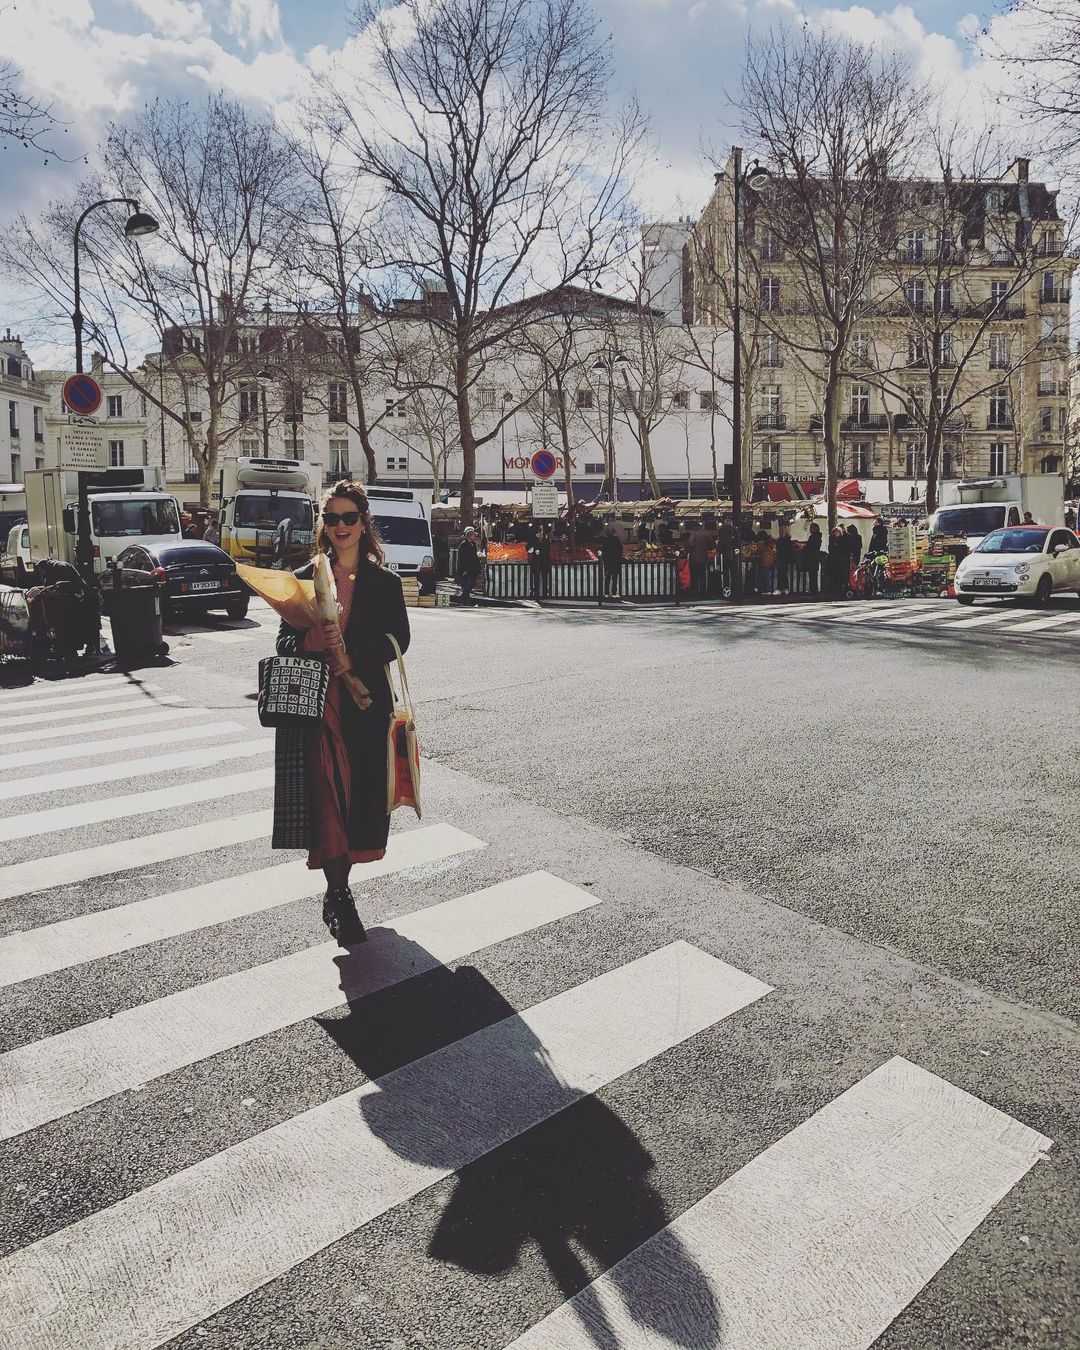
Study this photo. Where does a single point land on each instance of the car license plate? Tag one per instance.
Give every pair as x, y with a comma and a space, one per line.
205, 585
986, 581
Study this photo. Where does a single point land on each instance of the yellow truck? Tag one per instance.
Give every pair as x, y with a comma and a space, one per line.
268, 510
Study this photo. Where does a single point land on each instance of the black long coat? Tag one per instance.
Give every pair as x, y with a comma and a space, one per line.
378, 608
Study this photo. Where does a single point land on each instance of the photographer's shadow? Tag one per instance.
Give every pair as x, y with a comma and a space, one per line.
577, 1179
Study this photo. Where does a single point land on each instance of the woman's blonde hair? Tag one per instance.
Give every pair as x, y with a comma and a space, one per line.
370, 544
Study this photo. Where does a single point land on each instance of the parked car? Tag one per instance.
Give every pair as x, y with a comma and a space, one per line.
15, 564
1029, 561
194, 576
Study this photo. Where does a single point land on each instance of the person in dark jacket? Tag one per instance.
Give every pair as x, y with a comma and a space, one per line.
611, 555
544, 551
854, 544
839, 555
879, 537
330, 789
468, 565
811, 556
785, 559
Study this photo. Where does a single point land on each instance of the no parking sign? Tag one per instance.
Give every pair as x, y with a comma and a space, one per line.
82, 395
543, 464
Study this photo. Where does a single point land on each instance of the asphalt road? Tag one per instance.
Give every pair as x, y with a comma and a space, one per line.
877, 823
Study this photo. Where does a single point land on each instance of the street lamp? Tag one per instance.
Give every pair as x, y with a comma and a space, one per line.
138, 224
755, 177
506, 398
610, 358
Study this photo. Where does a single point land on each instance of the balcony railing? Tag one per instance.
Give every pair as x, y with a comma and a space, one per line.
1056, 297
999, 424
1053, 387
771, 422
865, 422
191, 475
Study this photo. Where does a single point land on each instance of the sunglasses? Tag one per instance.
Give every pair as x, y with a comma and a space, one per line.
345, 518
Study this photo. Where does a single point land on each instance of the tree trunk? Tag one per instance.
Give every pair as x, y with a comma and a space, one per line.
830, 425
363, 432
933, 457
648, 470
892, 448
568, 475
468, 440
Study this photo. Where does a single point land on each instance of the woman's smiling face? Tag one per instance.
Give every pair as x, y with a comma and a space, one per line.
343, 537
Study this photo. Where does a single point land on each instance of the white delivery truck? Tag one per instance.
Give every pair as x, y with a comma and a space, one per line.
127, 506
402, 517
970, 508
257, 496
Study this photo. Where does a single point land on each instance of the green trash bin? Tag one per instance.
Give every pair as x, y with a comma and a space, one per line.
135, 613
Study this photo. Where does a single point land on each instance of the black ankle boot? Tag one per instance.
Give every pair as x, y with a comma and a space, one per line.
340, 916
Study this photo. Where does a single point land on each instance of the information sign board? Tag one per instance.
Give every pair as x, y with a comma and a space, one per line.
545, 501
82, 445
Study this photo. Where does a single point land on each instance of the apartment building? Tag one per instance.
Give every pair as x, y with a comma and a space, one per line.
125, 414
967, 310
22, 438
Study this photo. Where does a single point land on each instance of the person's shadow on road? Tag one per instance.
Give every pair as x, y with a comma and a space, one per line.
578, 1178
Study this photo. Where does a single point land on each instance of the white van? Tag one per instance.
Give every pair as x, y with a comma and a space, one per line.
141, 513
403, 518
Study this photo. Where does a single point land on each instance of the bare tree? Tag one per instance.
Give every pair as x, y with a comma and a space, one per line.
1047, 70
833, 121
482, 129
221, 184
430, 423
23, 118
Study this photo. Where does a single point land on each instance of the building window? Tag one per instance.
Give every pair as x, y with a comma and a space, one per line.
860, 349
999, 293
339, 456
770, 404
16, 467
916, 460
994, 200
249, 400
770, 294
337, 398
294, 403
706, 402
947, 464
142, 405
39, 425
1046, 419
1063, 419
680, 398
945, 350
145, 452
1051, 243
860, 402
584, 398
943, 297
915, 294
486, 396
249, 446
772, 250
914, 244
999, 407
999, 351
114, 404
860, 459
595, 468
916, 350
13, 417
998, 454
397, 463
1050, 464
195, 415
770, 456
116, 454
1050, 289
770, 350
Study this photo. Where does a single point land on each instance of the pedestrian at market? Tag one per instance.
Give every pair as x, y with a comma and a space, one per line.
468, 565
839, 554
879, 537
854, 544
330, 788
785, 559
611, 556
545, 562
532, 550
701, 543
811, 556
766, 558
725, 551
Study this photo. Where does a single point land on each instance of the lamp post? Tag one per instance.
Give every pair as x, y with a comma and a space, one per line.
506, 398
609, 359
754, 178
138, 224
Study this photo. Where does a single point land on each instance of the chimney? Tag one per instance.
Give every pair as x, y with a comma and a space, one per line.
1017, 172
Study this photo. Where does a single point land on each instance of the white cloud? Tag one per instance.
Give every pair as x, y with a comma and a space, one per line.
255, 22
175, 18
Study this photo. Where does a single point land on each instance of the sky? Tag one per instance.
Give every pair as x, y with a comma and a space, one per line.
97, 60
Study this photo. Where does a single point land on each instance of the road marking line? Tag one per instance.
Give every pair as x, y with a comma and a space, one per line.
934, 615
1047, 621
61, 869
821, 1240
56, 700
140, 767
172, 712
163, 1260
85, 749
73, 942
51, 1078
968, 620
63, 687
132, 804
122, 701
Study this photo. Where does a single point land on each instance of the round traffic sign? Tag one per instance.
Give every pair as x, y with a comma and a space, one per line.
543, 464
82, 395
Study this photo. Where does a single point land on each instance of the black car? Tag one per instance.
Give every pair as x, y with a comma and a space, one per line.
194, 576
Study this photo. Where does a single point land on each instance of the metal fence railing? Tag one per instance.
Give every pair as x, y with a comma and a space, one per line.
636, 580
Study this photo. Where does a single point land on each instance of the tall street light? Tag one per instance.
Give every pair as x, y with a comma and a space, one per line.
607, 361
755, 178
138, 224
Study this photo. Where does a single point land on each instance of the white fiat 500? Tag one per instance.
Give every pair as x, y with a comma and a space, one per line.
1026, 561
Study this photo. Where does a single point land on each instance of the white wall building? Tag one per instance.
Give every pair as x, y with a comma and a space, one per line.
23, 435
124, 414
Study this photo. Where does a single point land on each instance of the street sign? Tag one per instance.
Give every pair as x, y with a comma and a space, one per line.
543, 464
82, 445
82, 395
545, 501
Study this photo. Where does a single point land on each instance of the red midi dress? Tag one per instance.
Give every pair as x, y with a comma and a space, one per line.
327, 759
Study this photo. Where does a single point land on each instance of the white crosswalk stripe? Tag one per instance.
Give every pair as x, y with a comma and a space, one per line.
934, 615
132, 768
162, 710
820, 1240
45, 698
824, 1238
121, 701
25, 759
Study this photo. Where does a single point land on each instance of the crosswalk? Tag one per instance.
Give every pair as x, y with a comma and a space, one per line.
819, 1241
